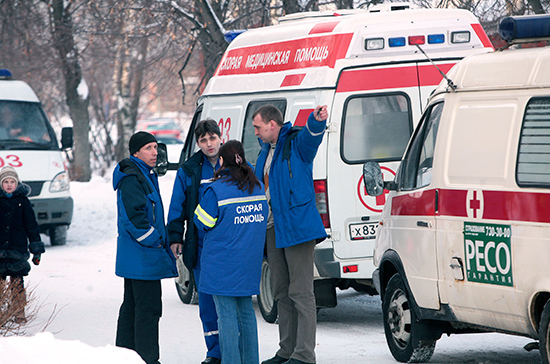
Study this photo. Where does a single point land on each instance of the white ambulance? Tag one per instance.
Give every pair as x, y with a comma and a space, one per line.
366, 66
28, 144
464, 239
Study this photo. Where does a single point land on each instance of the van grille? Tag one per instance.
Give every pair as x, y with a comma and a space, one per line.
533, 167
36, 187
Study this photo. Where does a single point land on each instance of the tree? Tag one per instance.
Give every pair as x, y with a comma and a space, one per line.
76, 90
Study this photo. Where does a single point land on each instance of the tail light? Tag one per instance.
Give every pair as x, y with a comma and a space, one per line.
321, 200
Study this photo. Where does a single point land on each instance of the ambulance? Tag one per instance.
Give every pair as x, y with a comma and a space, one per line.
368, 66
463, 242
28, 143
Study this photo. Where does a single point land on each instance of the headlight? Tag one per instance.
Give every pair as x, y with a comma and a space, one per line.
60, 182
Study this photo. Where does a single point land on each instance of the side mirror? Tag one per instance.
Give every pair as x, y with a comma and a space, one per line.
67, 138
372, 176
162, 160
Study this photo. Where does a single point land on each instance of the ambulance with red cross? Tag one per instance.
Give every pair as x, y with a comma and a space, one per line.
366, 66
463, 242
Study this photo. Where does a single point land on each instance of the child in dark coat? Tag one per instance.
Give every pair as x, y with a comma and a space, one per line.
18, 227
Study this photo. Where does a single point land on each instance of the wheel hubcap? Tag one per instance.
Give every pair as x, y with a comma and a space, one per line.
399, 319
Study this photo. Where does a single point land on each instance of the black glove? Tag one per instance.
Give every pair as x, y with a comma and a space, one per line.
36, 259
37, 248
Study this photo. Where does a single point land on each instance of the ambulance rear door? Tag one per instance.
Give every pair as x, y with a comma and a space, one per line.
372, 119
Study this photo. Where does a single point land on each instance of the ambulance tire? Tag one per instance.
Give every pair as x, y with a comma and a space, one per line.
266, 302
185, 284
401, 326
544, 334
58, 235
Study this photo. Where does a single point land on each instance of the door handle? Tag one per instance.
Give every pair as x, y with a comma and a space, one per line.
423, 224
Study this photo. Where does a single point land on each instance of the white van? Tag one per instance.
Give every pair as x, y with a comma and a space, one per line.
464, 238
28, 143
366, 66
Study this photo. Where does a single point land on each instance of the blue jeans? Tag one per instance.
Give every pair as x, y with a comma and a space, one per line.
207, 313
238, 330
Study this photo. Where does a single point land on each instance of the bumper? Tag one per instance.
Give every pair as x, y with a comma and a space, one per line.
53, 211
330, 266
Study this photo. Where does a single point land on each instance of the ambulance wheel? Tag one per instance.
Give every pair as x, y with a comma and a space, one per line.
268, 306
185, 284
58, 235
401, 326
544, 334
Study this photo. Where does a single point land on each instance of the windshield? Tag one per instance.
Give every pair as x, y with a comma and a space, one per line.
23, 125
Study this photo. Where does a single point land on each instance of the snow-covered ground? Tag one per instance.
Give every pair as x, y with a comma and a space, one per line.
78, 284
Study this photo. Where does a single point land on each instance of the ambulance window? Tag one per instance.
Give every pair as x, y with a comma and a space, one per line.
23, 125
375, 127
533, 166
250, 141
416, 168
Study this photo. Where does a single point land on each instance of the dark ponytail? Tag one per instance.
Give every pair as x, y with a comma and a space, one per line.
235, 167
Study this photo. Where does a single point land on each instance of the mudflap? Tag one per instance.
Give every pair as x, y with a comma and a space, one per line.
325, 292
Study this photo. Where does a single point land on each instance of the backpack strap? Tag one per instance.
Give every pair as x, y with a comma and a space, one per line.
287, 147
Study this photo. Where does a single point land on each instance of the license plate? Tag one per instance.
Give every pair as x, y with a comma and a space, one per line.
363, 231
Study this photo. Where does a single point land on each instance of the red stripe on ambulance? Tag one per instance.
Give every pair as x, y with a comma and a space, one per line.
322, 51
476, 204
293, 80
301, 118
388, 78
324, 27
482, 35
419, 203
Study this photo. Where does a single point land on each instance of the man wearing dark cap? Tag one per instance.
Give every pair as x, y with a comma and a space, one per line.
143, 256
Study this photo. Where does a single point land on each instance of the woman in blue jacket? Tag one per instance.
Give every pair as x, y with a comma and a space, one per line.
233, 212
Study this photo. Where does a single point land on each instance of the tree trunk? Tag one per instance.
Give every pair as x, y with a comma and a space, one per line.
125, 126
78, 104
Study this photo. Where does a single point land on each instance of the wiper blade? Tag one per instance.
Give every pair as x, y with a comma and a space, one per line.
22, 144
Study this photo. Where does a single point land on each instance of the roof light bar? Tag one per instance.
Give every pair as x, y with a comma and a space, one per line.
397, 42
518, 29
460, 37
374, 44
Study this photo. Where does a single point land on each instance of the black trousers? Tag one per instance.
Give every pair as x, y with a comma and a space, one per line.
138, 318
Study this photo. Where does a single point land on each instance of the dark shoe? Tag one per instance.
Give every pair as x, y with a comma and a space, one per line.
295, 361
275, 360
212, 360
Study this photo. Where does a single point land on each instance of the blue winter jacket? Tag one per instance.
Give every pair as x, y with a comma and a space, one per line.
235, 224
143, 251
291, 185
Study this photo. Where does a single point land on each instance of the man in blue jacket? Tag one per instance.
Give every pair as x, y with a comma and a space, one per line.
143, 256
294, 225
191, 181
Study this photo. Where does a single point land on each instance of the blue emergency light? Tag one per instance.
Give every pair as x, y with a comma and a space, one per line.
526, 28
397, 42
5, 74
230, 35
436, 38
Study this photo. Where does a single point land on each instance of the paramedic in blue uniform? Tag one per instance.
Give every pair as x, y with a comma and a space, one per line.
233, 212
294, 225
143, 255
191, 180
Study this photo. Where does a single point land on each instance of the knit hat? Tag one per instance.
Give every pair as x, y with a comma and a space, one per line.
140, 139
8, 172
